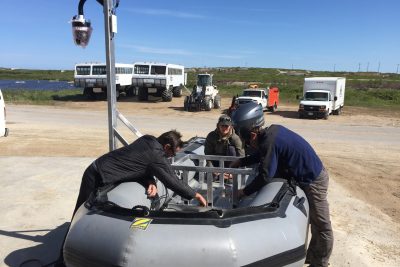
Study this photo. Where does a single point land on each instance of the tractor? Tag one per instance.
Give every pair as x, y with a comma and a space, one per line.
204, 95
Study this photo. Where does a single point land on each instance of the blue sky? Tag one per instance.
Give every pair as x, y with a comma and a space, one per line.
305, 34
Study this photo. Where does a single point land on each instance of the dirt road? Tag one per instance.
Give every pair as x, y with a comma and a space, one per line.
42, 161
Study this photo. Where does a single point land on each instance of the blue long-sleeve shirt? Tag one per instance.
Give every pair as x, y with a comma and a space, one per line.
282, 154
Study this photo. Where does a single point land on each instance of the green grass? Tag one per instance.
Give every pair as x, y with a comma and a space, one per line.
362, 89
41, 97
385, 98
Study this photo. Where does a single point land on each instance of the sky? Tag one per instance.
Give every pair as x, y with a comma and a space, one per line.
339, 35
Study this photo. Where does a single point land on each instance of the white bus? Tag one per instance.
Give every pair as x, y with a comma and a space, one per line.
92, 77
158, 79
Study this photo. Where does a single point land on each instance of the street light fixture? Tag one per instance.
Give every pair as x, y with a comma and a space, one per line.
81, 29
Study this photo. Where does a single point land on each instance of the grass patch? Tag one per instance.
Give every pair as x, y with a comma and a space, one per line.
385, 98
41, 97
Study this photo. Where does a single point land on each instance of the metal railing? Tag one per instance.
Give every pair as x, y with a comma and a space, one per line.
211, 178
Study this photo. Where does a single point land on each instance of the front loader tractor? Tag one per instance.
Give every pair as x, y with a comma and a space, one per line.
204, 95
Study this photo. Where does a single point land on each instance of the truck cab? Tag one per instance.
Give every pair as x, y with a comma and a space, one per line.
316, 103
268, 98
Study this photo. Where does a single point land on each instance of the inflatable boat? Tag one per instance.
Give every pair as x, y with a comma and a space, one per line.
120, 226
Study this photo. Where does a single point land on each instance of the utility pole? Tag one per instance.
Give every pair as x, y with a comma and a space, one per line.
367, 66
110, 59
397, 71
359, 67
379, 66
334, 67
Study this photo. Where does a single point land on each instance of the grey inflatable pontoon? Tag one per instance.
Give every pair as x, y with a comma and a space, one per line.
121, 227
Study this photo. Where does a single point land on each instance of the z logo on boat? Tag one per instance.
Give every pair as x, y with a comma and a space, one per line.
141, 223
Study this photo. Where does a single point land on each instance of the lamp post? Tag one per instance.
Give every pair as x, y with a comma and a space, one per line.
110, 28
82, 30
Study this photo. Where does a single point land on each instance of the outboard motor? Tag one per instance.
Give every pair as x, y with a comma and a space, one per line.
247, 117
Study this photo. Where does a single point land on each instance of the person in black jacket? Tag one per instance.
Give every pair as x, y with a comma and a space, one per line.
138, 162
282, 153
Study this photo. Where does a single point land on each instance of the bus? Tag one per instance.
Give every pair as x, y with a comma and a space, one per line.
158, 79
92, 77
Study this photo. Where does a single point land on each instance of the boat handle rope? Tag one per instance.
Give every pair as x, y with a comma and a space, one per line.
140, 208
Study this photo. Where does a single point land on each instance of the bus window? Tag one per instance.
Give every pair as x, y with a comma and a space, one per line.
141, 69
99, 70
82, 70
158, 70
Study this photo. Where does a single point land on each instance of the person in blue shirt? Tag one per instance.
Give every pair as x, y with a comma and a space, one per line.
281, 153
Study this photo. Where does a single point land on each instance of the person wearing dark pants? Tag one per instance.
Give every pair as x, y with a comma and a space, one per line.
282, 153
140, 161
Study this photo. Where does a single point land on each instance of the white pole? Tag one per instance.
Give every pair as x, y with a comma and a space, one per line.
111, 87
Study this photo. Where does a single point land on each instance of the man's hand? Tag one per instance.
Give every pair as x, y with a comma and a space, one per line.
201, 199
151, 190
226, 175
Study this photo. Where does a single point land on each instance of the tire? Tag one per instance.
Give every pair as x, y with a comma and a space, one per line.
186, 103
166, 95
208, 104
273, 108
326, 116
6, 132
338, 111
88, 93
143, 94
177, 91
217, 102
131, 91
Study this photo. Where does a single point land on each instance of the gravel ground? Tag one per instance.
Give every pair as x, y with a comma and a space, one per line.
43, 158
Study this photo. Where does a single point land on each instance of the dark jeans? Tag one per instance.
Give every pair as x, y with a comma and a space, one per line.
91, 180
321, 243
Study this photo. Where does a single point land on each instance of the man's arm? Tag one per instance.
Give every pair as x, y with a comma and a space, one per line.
161, 169
266, 170
239, 147
209, 147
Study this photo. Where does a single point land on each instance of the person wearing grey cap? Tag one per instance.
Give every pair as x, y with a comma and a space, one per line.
223, 141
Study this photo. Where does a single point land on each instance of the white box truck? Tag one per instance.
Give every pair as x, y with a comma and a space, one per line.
322, 96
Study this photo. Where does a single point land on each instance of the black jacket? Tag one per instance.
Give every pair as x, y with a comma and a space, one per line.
139, 162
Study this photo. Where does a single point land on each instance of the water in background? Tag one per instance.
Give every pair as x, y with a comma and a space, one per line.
36, 85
